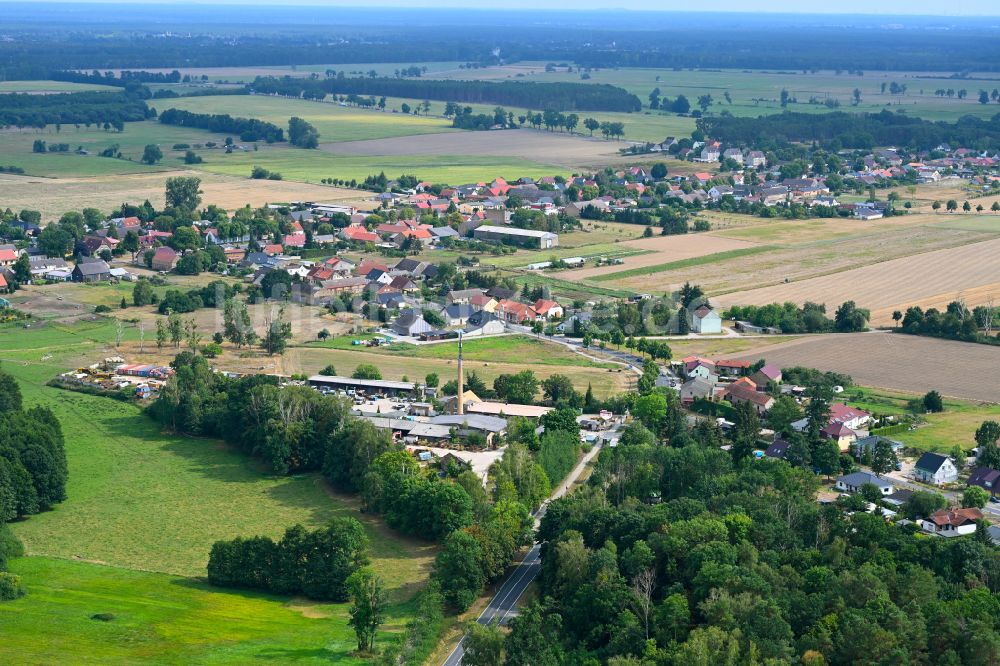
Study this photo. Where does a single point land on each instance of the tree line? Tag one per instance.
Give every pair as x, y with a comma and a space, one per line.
126, 79
862, 131
111, 109
313, 563
524, 94
33, 471
957, 322
809, 318
248, 129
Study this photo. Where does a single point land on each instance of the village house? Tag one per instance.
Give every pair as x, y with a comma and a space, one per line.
778, 449
699, 388
852, 483
42, 265
705, 320
410, 323
698, 367
514, 312
840, 434
95, 270
710, 153
461, 296
358, 234
952, 522
457, 314
734, 154
935, 469
7, 257
755, 159
739, 394
767, 374
483, 323
986, 478
731, 368
164, 259
547, 309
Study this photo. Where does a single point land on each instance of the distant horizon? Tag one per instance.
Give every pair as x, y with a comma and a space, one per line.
861, 8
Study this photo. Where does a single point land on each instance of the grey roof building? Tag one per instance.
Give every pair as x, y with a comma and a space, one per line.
852, 483
411, 323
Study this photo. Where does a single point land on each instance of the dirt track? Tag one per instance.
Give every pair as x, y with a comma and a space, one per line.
896, 361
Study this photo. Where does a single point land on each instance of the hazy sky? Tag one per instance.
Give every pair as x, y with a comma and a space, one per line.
897, 7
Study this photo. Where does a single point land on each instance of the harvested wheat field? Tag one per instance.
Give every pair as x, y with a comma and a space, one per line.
898, 362
796, 232
799, 263
55, 196
534, 145
660, 250
931, 279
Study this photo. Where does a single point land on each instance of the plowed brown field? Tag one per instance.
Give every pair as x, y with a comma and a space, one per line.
898, 362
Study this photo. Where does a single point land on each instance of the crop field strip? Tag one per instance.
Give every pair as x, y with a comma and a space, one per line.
896, 362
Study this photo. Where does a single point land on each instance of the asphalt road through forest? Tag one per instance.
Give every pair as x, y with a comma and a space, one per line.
503, 605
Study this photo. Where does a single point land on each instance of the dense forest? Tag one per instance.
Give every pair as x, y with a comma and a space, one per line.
847, 130
248, 129
122, 80
207, 38
740, 565
80, 108
524, 94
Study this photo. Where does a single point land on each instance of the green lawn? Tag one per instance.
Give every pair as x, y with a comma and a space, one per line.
148, 506
162, 619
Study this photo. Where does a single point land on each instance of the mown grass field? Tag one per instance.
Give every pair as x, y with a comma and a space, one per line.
955, 426
16, 149
314, 165
163, 619
142, 512
501, 349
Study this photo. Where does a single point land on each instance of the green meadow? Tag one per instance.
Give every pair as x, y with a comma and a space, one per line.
51, 87
334, 122
955, 426
133, 537
16, 149
313, 165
